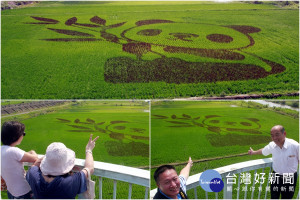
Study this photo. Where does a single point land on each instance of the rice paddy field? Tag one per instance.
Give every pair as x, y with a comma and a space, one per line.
124, 50
122, 127
214, 134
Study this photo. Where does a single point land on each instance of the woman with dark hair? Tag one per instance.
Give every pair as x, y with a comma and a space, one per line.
12, 158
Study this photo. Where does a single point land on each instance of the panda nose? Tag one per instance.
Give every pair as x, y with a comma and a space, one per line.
184, 36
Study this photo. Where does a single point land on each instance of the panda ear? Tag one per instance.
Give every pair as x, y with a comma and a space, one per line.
245, 29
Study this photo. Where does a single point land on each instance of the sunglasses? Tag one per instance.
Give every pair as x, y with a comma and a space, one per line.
24, 134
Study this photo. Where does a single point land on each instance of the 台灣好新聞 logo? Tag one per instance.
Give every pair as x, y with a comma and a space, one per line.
211, 181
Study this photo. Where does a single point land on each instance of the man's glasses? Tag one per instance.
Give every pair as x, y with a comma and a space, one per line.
24, 134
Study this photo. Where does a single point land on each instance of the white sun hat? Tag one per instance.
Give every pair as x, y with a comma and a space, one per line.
58, 160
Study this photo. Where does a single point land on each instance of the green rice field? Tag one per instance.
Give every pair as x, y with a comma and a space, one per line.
122, 127
213, 130
124, 50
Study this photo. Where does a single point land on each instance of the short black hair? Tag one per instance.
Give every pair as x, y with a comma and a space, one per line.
161, 170
11, 131
282, 129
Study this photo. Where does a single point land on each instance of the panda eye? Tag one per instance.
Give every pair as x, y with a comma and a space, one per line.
220, 38
149, 32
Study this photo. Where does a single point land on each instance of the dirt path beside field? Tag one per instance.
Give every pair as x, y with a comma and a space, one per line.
23, 108
242, 97
201, 160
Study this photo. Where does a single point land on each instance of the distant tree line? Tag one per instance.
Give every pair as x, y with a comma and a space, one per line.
278, 3
14, 4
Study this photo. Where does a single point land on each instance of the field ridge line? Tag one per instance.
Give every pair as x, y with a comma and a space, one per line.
201, 160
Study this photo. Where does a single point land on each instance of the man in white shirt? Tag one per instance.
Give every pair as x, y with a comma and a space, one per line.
285, 155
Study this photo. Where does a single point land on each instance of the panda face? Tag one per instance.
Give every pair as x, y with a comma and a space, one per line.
189, 35
232, 123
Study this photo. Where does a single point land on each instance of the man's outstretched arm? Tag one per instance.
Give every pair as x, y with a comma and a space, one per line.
185, 172
252, 152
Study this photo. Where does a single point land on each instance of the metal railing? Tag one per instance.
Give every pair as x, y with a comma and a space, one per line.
117, 173
236, 169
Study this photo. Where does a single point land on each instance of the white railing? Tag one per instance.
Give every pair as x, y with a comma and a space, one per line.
237, 169
117, 173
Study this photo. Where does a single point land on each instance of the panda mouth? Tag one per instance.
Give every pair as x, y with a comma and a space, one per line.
175, 70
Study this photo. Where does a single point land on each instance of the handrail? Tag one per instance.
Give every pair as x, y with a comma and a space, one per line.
119, 172
193, 181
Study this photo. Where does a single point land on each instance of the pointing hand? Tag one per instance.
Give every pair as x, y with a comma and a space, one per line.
250, 152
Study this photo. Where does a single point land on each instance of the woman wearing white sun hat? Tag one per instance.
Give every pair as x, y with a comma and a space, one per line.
49, 177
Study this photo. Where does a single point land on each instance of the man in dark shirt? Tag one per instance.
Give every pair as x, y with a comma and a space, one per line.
170, 185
